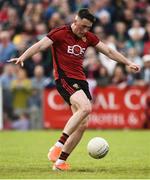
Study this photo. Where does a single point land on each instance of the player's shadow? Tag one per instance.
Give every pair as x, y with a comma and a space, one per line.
82, 170
113, 170
88, 170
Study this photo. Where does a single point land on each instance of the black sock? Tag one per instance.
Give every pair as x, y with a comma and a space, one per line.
63, 138
63, 156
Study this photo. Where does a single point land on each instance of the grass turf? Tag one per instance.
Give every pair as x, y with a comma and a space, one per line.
23, 155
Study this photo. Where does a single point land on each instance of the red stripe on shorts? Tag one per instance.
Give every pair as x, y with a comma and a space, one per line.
67, 87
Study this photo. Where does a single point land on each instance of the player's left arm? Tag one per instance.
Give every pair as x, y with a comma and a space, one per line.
116, 56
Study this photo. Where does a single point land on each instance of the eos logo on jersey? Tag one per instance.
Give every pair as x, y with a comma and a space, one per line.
76, 50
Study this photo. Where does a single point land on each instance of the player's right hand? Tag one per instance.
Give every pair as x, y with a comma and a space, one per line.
17, 61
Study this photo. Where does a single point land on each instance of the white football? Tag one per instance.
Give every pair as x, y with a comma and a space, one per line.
97, 147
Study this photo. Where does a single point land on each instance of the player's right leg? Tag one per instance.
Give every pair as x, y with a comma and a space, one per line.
56, 150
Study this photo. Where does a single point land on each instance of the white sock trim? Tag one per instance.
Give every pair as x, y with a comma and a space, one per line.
59, 161
59, 144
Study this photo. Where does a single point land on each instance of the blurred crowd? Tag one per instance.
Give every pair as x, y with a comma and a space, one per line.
123, 25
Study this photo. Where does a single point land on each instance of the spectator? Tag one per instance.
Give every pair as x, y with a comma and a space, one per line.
13, 21
146, 70
7, 76
20, 6
136, 29
39, 81
7, 48
21, 89
147, 14
91, 63
103, 78
128, 16
91, 66
34, 109
120, 31
22, 123
35, 61
28, 11
129, 77
105, 20
141, 6
105, 61
4, 13
37, 13
136, 33
55, 20
143, 77
5, 81
40, 30
28, 29
132, 54
121, 36
146, 49
99, 32
119, 78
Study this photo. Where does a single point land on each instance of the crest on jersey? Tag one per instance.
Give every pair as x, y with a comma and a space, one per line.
76, 86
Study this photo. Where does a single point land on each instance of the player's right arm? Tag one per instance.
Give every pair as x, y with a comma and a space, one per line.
41, 45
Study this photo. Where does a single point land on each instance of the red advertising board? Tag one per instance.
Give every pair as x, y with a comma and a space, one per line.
112, 108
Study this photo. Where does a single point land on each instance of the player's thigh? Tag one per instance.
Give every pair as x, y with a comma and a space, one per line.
74, 108
80, 100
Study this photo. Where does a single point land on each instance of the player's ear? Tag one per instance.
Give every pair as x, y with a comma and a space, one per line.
75, 19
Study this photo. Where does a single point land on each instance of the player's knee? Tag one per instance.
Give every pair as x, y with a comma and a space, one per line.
83, 126
86, 109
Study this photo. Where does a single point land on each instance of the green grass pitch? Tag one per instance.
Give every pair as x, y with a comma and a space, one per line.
23, 155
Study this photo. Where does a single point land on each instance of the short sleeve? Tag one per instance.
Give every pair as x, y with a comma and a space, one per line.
93, 39
55, 35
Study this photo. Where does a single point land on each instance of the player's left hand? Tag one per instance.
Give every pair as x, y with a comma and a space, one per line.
134, 67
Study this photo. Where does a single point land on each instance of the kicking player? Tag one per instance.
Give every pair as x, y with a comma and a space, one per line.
69, 44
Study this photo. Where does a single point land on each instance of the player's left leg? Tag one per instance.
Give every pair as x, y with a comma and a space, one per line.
56, 150
71, 142
69, 146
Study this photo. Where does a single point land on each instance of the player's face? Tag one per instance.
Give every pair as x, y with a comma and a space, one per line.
82, 26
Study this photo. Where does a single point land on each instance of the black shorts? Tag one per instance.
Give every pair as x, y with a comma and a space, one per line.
68, 86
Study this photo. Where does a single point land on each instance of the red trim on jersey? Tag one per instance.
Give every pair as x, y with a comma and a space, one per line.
54, 62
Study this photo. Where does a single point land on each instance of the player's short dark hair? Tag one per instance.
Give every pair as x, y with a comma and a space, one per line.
84, 13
